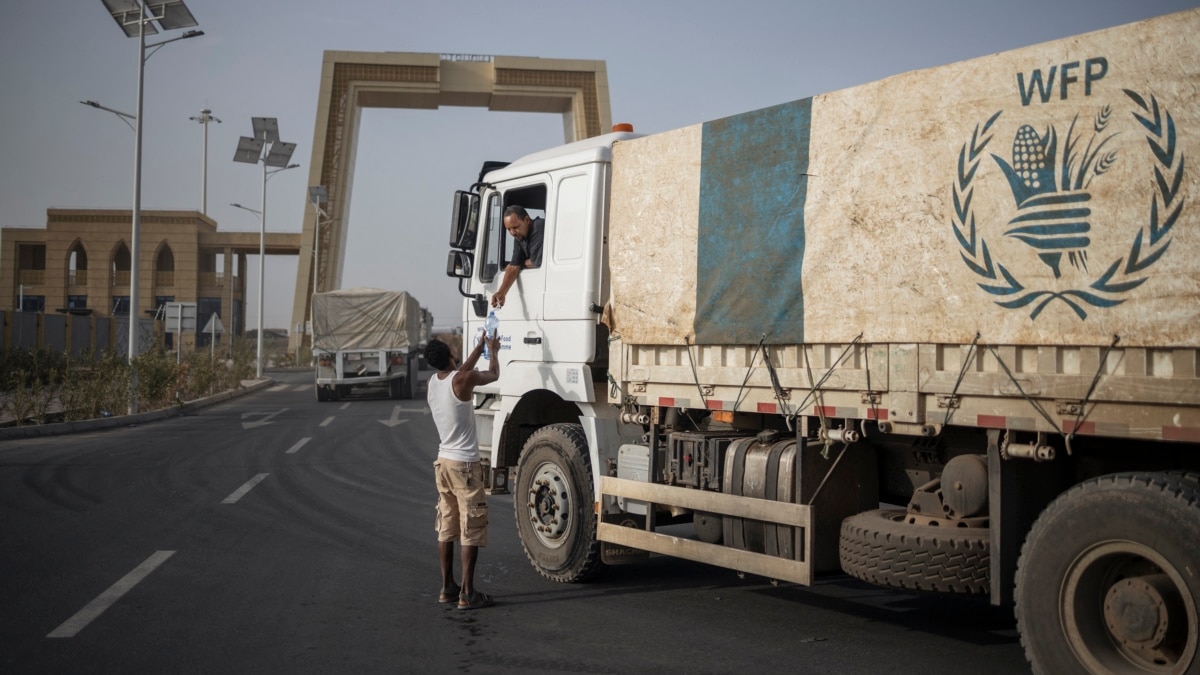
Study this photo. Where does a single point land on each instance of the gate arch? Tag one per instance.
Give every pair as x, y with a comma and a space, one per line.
350, 81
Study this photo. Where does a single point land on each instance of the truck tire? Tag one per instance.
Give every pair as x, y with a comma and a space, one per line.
881, 548
396, 389
552, 503
1107, 580
321, 395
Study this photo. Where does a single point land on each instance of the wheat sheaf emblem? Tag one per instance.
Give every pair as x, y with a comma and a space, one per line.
1050, 184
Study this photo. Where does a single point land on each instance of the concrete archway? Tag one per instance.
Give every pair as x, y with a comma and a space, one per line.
351, 81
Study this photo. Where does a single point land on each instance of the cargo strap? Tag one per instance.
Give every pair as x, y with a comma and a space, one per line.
737, 401
815, 394
695, 377
961, 373
1079, 416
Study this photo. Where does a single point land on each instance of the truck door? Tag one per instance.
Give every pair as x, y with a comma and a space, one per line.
521, 317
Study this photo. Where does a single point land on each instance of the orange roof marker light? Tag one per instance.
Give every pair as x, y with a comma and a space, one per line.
622, 126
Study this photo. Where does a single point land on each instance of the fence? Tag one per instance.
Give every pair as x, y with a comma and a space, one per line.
74, 334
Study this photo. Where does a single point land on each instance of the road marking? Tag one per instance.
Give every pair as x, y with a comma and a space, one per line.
266, 418
106, 599
395, 419
278, 387
302, 387
344, 406
326, 422
241, 492
299, 444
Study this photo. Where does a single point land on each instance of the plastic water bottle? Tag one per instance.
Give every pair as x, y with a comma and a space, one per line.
489, 329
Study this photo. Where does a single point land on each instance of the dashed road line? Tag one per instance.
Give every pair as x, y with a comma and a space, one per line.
96, 607
279, 387
345, 405
299, 444
326, 422
241, 492
303, 387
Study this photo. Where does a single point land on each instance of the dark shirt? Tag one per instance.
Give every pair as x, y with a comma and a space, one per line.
531, 247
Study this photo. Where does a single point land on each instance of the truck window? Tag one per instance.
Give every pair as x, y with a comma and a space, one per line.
494, 237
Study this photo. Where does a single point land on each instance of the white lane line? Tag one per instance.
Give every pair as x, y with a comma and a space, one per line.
106, 599
299, 444
303, 387
326, 422
344, 406
241, 492
278, 387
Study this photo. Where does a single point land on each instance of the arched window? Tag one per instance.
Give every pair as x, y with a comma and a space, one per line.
120, 265
164, 267
77, 265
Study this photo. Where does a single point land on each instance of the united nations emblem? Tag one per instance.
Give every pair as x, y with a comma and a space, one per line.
1052, 179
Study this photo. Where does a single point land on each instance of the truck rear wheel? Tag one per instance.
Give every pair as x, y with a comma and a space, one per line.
881, 548
396, 389
552, 503
1107, 579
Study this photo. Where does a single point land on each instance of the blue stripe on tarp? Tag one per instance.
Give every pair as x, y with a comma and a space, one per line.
750, 247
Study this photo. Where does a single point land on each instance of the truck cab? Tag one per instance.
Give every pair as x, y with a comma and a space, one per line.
554, 344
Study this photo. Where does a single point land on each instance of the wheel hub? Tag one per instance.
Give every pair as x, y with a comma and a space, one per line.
549, 505
1139, 610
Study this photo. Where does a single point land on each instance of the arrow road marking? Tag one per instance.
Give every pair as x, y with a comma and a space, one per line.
266, 418
395, 419
106, 599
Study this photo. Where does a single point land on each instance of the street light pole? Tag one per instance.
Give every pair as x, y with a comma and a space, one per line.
126, 13
204, 118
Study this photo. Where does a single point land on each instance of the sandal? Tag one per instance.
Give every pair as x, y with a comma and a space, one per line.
477, 600
448, 596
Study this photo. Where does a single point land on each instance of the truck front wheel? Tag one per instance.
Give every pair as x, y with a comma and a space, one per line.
553, 504
1107, 581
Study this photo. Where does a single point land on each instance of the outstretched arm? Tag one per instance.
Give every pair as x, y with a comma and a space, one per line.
464, 386
510, 275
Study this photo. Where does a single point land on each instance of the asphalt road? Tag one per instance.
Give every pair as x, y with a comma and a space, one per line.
273, 534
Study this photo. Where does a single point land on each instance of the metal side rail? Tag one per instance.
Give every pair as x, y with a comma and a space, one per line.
781, 513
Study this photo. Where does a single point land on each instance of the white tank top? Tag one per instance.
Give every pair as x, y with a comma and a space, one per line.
455, 420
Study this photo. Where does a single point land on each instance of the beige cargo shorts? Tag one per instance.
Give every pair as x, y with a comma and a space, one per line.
462, 509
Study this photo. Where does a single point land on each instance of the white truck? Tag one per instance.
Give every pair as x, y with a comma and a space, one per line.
939, 332
366, 337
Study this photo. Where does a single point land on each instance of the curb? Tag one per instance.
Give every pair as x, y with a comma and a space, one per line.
60, 428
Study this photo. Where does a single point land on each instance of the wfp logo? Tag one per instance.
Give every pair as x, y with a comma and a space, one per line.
1051, 177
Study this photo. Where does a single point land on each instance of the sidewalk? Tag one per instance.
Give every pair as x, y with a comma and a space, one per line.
39, 430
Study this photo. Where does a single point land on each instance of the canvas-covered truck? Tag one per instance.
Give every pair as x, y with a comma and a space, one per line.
368, 338
939, 332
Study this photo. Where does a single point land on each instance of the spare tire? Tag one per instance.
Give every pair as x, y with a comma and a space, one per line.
881, 548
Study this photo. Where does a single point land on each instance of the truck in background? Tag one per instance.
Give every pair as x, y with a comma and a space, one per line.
366, 337
940, 332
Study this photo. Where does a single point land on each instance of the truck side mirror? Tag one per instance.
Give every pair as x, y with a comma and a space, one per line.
465, 221
459, 264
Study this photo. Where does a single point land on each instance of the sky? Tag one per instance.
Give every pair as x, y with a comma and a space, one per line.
670, 64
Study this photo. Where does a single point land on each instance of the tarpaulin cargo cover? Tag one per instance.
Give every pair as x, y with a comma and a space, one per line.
365, 318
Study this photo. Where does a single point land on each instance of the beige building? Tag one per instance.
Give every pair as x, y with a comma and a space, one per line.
80, 264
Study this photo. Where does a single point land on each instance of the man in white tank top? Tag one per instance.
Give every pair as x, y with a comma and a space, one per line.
462, 510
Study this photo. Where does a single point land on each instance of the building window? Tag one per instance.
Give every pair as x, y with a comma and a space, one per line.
120, 305
160, 305
33, 303
31, 264
76, 302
